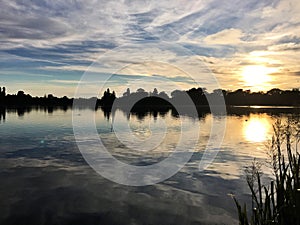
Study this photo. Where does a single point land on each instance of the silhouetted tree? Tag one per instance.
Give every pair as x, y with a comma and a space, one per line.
140, 90
127, 93
198, 96
274, 96
108, 98
2, 94
176, 93
163, 95
20, 94
274, 91
50, 96
218, 92
155, 92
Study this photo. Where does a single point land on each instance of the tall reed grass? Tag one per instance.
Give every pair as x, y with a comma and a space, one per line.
277, 203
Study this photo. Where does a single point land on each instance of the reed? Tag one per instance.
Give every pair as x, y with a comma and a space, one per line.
279, 201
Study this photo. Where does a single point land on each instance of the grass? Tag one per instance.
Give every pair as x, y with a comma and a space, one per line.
277, 203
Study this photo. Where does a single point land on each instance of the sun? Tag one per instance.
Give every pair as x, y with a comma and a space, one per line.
257, 75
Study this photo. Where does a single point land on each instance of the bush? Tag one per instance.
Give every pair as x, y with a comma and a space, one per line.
279, 202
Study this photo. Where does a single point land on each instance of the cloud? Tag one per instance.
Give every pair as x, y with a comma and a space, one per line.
34, 28
284, 47
297, 73
62, 37
225, 37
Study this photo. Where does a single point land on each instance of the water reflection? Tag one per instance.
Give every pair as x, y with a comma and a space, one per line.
256, 129
44, 178
21, 111
140, 114
2, 114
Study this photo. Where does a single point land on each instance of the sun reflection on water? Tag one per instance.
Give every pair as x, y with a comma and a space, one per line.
256, 129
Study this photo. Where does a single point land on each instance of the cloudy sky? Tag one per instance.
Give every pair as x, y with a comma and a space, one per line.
48, 45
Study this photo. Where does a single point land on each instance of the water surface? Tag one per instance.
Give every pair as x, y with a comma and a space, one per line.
45, 180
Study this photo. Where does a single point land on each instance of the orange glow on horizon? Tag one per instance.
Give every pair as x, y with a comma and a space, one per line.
257, 76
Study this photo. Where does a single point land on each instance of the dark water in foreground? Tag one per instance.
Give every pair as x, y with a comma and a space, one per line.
45, 180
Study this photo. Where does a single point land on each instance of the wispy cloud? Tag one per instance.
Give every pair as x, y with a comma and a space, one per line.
225, 37
62, 37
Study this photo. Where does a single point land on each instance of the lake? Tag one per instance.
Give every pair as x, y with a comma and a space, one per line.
46, 180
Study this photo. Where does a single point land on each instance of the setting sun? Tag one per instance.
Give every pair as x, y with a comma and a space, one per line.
257, 75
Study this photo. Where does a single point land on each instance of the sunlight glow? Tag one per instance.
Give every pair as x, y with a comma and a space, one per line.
256, 130
257, 75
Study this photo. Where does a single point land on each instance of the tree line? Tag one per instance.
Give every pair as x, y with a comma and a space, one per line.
199, 97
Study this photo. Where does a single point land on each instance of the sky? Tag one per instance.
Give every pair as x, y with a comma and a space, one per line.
52, 46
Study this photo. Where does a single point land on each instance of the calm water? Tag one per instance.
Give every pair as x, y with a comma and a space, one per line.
45, 180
